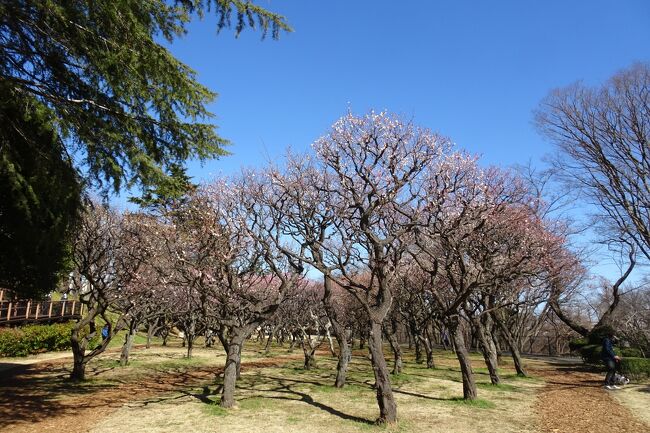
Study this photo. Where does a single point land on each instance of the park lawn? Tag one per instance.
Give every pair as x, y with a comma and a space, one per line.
285, 398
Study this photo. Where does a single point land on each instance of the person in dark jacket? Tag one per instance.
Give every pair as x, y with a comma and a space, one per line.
610, 359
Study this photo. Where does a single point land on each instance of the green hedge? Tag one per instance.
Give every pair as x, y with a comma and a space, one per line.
635, 368
590, 353
33, 339
577, 344
631, 352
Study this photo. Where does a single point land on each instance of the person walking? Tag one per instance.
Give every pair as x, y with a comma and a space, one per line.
610, 359
105, 331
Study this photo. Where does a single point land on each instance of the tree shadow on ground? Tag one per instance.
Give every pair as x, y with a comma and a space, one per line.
37, 392
365, 384
272, 386
579, 368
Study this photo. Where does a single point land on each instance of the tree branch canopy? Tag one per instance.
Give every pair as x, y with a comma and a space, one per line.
603, 135
128, 111
89, 97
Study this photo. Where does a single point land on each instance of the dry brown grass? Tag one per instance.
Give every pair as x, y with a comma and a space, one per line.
637, 399
288, 399
161, 391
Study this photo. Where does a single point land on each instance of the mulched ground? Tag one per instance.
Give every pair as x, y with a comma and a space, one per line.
574, 401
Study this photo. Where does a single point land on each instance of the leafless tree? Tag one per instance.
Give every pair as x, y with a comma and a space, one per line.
602, 134
372, 165
108, 251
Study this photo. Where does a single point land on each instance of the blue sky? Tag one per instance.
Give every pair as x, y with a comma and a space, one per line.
471, 70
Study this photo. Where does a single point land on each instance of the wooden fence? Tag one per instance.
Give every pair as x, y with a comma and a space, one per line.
13, 312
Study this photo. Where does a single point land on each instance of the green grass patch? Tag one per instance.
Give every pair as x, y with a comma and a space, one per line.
402, 379
293, 420
253, 403
499, 387
479, 403
481, 370
515, 376
215, 410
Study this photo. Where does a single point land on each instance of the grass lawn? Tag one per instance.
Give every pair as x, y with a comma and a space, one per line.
286, 398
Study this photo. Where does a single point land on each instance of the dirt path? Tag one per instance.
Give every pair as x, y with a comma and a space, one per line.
38, 397
574, 401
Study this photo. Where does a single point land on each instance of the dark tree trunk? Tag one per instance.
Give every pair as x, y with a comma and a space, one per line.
78, 345
428, 349
310, 360
78, 373
469, 385
209, 338
397, 351
267, 347
330, 343
151, 330
190, 335
190, 345
345, 354
294, 340
233, 359
512, 345
385, 398
488, 349
416, 341
128, 344
418, 351
497, 346
79, 363
340, 333
238, 367
430, 362
517, 359
308, 350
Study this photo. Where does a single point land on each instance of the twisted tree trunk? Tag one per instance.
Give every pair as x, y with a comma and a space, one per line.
488, 349
389, 331
128, 343
469, 384
385, 398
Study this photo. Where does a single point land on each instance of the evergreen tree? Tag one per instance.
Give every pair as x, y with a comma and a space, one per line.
39, 196
122, 102
88, 80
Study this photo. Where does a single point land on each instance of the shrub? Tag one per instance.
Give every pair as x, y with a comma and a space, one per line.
12, 343
577, 344
635, 368
33, 339
591, 353
632, 352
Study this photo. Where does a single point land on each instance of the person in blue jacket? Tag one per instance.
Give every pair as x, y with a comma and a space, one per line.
105, 332
610, 359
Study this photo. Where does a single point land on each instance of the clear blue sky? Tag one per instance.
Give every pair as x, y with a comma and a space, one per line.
472, 70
